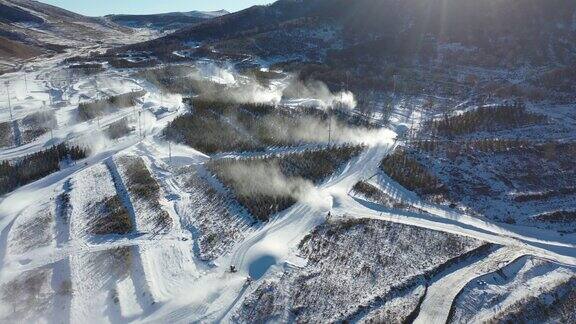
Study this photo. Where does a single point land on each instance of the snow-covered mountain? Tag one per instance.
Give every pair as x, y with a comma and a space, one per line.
29, 28
365, 161
166, 21
476, 32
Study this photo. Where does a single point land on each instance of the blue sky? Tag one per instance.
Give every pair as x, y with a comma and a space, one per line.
104, 7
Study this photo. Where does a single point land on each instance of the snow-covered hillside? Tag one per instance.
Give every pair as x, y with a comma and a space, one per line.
30, 29
361, 265
209, 183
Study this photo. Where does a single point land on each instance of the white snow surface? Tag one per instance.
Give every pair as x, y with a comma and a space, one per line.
157, 277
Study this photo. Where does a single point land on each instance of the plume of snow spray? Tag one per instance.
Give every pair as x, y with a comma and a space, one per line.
262, 178
247, 89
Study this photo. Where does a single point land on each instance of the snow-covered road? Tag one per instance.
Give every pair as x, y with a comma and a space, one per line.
441, 293
562, 251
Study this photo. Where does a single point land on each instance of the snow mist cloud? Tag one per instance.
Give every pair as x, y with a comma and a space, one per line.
226, 84
266, 178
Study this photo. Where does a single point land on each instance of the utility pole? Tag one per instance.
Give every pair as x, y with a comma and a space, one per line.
140, 124
7, 84
298, 90
134, 107
329, 129
144, 124
341, 104
170, 152
57, 153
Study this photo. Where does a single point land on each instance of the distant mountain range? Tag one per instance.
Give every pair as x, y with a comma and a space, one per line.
165, 21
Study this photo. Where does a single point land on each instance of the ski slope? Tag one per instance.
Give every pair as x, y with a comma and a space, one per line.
160, 278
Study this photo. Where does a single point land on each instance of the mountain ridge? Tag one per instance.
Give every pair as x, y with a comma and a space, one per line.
45, 29
521, 32
165, 21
